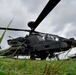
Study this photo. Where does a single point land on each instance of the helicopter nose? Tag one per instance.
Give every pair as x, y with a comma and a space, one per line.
9, 41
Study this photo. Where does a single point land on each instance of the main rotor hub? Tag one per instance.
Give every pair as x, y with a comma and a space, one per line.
31, 24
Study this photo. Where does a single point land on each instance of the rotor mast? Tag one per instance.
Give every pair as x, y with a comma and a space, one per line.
47, 9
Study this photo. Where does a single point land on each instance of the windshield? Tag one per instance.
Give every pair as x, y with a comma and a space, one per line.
52, 37
43, 37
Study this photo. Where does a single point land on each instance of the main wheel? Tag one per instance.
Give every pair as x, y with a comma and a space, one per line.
32, 57
43, 56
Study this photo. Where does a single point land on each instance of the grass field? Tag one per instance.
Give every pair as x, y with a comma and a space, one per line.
36, 67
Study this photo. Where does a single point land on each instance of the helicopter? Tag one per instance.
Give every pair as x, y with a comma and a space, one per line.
38, 44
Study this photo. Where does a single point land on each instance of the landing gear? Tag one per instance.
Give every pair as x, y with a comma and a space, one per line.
43, 56
32, 57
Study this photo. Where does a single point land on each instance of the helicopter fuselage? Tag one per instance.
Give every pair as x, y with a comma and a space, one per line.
39, 45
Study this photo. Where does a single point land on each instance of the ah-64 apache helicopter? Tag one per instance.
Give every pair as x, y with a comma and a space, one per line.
39, 44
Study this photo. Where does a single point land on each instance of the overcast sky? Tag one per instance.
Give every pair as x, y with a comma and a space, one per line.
61, 20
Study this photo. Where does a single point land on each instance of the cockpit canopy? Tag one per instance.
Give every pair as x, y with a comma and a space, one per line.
44, 37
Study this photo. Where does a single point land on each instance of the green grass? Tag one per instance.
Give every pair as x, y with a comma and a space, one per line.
33, 67
36, 67
2, 36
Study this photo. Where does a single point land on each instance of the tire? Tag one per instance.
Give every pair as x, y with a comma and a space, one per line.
32, 57
43, 57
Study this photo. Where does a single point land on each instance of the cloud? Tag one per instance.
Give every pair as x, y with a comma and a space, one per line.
63, 15
34, 5
61, 20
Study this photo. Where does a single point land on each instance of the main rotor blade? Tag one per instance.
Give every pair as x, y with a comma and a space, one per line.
50, 5
14, 29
